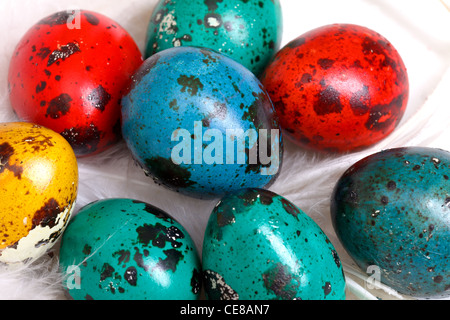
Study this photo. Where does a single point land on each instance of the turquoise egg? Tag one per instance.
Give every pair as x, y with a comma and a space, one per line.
260, 246
248, 31
123, 249
391, 211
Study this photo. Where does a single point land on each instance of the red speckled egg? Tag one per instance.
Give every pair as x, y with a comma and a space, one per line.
338, 88
68, 73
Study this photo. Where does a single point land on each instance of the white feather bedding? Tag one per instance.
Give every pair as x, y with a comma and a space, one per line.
419, 29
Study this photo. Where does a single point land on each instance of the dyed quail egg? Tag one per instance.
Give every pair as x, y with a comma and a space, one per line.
391, 211
201, 124
247, 31
124, 249
67, 73
260, 246
38, 189
338, 88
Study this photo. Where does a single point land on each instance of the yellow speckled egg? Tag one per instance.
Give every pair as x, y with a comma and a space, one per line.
38, 189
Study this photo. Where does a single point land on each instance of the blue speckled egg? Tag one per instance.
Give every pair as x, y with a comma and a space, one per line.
260, 246
201, 124
391, 211
123, 249
248, 31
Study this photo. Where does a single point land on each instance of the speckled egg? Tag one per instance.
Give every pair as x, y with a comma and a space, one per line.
338, 88
38, 190
124, 249
67, 73
201, 124
391, 211
248, 31
260, 246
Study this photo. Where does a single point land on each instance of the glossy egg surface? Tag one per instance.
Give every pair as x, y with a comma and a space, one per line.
67, 73
124, 249
201, 124
391, 211
38, 190
247, 31
338, 88
260, 246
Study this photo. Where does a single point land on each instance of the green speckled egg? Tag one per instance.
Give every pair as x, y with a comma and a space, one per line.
123, 249
391, 211
248, 31
260, 246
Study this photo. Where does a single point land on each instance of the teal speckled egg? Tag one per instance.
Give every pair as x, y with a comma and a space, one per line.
260, 246
391, 211
248, 31
123, 249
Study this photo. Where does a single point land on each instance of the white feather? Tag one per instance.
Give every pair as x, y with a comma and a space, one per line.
416, 28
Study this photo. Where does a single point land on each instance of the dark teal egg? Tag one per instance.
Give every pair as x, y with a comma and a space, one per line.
391, 211
248, 31
123, 249
201, 124
260, 246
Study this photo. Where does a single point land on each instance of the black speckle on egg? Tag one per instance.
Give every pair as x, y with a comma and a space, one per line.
41, 86
225, 217
447, 202
281, 282
91, 18
160, 214
328, 101
391, 185
6, 151
196, 281
325, 63
327, 288
59, 106
131, 276
43, 52
83, 140
336, 258
173, 257
47, 215
159, 235
174, 175
99, 98
63, 53
290, 208
190, 83
87, 249
384, 200
58, 18
360, 101
123, 256
212, 4
217, 288
106, 272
